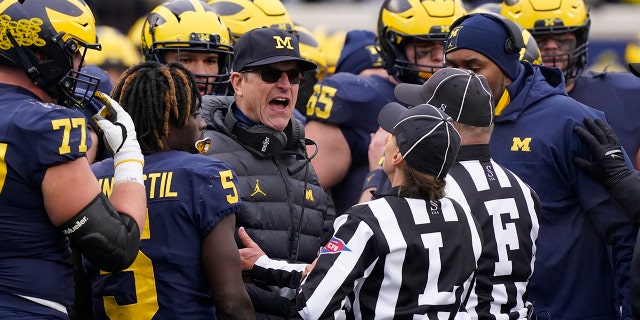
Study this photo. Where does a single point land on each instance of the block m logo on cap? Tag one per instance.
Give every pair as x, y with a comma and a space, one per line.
283, 43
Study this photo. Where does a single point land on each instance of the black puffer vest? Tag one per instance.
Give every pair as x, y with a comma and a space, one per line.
284, 212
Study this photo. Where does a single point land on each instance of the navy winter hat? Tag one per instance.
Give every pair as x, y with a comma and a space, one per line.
360, 51
263, 46
488, 36
425, 136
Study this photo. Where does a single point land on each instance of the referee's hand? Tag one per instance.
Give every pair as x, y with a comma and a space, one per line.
250, 254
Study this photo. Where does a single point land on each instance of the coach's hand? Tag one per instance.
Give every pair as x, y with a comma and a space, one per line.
608, 166
250, 254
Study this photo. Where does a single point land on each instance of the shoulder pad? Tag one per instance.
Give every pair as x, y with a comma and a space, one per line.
345, 99
351, 87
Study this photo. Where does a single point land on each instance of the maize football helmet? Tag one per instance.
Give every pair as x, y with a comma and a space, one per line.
530, 52
489, 7
43, 37
242, 16
400, 21
310, 50
552, 17
117, 50
331, 44
189, 25
135, 33
632, 50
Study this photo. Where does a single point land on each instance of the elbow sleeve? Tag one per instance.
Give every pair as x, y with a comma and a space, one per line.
107, 238
627, 193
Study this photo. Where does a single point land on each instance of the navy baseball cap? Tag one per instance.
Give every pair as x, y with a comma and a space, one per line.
425, 136
263, 46
462, 94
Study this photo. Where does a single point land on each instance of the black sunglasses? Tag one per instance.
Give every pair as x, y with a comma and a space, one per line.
272, 75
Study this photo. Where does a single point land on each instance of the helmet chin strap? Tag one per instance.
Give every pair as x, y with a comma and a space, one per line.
27, 62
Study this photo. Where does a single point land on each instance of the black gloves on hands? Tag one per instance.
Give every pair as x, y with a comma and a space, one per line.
609, 166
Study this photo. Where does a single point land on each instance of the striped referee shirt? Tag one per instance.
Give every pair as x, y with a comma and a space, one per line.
396, 258
507, 210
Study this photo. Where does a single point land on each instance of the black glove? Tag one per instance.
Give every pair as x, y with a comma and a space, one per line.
609, 166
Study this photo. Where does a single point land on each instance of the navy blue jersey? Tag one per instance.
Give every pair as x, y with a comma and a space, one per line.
618, 96
187, 195
534, 138
352, 103
33, 137
398, 258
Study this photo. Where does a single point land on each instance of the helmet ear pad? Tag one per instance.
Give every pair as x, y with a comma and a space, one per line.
390, 53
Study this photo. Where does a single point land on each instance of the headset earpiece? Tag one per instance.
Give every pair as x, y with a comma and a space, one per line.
515, 42
295, 134
263, 140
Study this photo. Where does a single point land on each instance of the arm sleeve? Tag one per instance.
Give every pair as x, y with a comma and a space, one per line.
342, 262
627, 193
277, 273
621, 235
635, 282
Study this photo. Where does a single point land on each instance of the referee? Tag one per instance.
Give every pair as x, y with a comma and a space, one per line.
505, 207
410, 253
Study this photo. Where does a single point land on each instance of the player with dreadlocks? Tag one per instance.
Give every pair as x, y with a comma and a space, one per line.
166, 91
188, 262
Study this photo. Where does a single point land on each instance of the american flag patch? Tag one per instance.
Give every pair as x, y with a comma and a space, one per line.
335, 245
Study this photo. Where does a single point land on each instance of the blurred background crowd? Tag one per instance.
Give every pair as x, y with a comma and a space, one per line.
614, 36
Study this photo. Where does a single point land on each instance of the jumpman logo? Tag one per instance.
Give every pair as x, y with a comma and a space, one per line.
257, 189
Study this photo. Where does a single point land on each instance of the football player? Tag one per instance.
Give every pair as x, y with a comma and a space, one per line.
190, 32
49, 198
117, 54
342, 113
188, 262
561, 29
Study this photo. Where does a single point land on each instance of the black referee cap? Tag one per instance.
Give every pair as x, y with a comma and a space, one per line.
463, 95
425, 136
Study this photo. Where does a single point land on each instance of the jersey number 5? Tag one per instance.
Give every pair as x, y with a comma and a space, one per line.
146, 303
